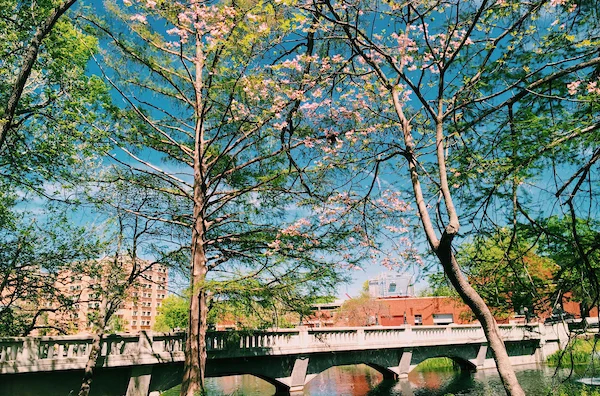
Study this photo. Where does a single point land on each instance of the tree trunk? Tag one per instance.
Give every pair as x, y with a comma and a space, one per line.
443, 246
195, 347
485, 317
88, 374
195, 354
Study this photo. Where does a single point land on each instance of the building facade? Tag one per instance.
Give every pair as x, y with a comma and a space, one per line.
144, 294
391, 285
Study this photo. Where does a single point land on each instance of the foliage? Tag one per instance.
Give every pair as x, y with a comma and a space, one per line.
435, 364
173, 313
508, 273
578, 351
573, 245
363, 310
33, 254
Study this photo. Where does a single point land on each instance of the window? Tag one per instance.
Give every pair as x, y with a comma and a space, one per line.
134, 322
442, 319
392, 288
418, 320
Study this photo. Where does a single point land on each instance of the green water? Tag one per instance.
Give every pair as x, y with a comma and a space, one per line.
362, 380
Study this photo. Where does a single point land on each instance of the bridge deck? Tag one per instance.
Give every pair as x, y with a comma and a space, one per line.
35, 354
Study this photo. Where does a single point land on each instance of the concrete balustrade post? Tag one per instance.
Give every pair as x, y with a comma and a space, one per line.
303, 336
360, 336
408, 333
30, 352
145, 343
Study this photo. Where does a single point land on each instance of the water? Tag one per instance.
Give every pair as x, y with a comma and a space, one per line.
362, 380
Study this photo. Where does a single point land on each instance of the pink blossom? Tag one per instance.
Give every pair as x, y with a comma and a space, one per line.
184, 18
573, 86
127, 2
280, 125
138, 18
276, 244
151, 4
592, 87
557, 2
337, 58
294, 229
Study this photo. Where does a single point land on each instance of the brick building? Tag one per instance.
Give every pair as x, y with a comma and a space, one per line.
425, 311
137, 312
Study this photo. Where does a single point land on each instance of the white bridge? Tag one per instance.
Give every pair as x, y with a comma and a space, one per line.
287, 358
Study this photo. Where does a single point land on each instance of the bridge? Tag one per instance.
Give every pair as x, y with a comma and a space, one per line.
145, 364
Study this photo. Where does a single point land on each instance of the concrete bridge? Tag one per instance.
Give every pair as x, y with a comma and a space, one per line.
287, 358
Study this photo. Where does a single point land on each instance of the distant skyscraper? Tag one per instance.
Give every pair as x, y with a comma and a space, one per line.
391, 285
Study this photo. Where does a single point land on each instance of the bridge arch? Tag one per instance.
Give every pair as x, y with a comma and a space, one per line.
384, 371
463, 363
465, 357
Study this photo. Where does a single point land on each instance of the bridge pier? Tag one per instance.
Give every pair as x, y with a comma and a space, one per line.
481, 354
139, 382
404, 365
298, 377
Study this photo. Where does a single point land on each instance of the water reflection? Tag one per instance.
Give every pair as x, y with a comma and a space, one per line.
356, 380
362, 380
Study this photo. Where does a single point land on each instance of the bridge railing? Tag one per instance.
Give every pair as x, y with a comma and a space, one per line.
71, 352
293, 340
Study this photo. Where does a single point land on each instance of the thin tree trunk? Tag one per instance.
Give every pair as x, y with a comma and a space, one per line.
195, 353
25, 71
195, 356
485, 317
443, 247
88, 374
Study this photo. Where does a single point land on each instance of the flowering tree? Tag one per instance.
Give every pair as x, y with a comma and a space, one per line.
211, 126
427, 73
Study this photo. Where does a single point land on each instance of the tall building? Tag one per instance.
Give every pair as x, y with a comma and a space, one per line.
391, 285
137, 311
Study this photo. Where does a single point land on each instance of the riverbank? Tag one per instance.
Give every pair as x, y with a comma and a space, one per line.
580, 351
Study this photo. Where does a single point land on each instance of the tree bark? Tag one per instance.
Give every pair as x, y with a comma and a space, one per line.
25, 71
195, 356
485, 317
195, 353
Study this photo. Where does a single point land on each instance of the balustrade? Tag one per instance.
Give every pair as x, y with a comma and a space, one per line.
125, 349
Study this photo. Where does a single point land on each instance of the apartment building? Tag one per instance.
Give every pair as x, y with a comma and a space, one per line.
143, 295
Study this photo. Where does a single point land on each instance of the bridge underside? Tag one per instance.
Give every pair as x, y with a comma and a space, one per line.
291, 373
288, 373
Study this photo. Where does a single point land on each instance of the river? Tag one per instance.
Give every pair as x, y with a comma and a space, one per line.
362, 380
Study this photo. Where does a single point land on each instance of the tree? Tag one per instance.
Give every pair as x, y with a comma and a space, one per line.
208, 128
173, 314
46, 99
509, 278
430, 71
42, 20
363, 310
578, 260
33, 254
